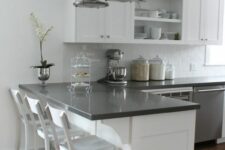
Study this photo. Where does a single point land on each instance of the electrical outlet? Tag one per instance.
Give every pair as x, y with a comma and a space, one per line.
194, 67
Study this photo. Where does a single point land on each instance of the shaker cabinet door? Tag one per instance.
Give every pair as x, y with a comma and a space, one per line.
213, 20
191, 20
89, 25
203, 21
118, 21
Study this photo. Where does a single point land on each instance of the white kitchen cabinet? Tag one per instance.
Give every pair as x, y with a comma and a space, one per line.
118, 22
191, 20
203, 21
104, 25
212, 21
166, 131
89, 25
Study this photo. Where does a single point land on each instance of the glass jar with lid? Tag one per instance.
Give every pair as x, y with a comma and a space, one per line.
140, 69
158, 69
80, 71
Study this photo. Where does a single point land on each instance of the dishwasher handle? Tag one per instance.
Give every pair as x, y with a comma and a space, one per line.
209, 90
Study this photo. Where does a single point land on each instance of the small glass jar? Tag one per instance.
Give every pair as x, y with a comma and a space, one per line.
170, 72
80, 72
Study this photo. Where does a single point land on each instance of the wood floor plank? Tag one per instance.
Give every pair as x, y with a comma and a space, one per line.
210, 146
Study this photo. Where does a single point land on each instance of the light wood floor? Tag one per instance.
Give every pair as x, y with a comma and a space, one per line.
209, 146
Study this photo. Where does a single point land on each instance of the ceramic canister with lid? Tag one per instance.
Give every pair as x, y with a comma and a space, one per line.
140, 69
158, 69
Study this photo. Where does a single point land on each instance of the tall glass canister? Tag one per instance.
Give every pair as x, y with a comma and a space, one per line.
80, 72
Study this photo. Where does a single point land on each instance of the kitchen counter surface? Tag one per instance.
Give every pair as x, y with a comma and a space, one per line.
106, 102
179, 82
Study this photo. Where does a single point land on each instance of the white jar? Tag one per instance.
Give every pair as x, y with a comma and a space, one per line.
140, 69
170, 72
157, 69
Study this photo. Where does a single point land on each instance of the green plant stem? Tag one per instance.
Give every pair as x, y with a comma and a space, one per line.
41, 47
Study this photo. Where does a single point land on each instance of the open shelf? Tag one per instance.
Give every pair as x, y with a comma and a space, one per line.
157, 19
151, 41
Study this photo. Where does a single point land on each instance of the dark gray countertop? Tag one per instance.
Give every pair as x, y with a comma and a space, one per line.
179, 82
106, 102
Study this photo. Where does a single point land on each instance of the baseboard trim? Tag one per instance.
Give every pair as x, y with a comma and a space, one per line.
221, 140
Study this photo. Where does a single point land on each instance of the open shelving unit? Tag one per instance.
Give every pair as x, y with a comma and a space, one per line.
137, 18
167, 26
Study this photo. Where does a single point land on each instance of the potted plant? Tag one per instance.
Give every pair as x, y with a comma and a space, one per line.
42, 33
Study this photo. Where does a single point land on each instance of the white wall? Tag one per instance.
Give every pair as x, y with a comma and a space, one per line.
19, 50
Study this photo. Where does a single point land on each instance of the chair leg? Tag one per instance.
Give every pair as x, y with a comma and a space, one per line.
47, 144
27, 136
22, 136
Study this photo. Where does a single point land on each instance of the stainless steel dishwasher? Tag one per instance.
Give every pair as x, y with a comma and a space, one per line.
209, 117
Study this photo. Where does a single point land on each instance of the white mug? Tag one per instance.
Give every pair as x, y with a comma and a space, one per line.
156, 33
154, 14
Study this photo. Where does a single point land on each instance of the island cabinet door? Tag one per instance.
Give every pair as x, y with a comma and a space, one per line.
170, 131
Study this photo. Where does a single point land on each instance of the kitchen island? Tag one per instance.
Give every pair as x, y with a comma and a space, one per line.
128, 118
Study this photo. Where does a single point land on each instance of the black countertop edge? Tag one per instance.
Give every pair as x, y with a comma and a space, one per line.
175, 86
143, 113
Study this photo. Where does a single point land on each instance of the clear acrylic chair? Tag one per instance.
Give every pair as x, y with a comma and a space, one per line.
74, 142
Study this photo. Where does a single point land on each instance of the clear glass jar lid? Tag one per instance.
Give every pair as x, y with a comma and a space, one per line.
156, 60
141, 60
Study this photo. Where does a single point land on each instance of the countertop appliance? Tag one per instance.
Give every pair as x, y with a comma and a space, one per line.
116, 73
182, 93
210, 116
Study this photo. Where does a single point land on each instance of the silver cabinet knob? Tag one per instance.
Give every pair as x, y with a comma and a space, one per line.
202, 39
108, 36
102, 36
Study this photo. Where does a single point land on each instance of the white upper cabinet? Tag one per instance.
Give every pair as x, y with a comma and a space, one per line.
118, 22
104, 25
89, 25
203, 21
191, 21
212, 21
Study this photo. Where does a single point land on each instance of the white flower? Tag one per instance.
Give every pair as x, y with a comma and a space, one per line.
41, 32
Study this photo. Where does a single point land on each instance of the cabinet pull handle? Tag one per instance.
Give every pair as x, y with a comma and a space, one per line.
108, 36
102, 36
210, 90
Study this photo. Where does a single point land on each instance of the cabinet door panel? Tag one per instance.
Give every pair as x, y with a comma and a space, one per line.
118, 21
89, 25
212, 19
191, 21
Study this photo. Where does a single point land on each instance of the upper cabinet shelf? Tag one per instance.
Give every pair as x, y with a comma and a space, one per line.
157, 19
